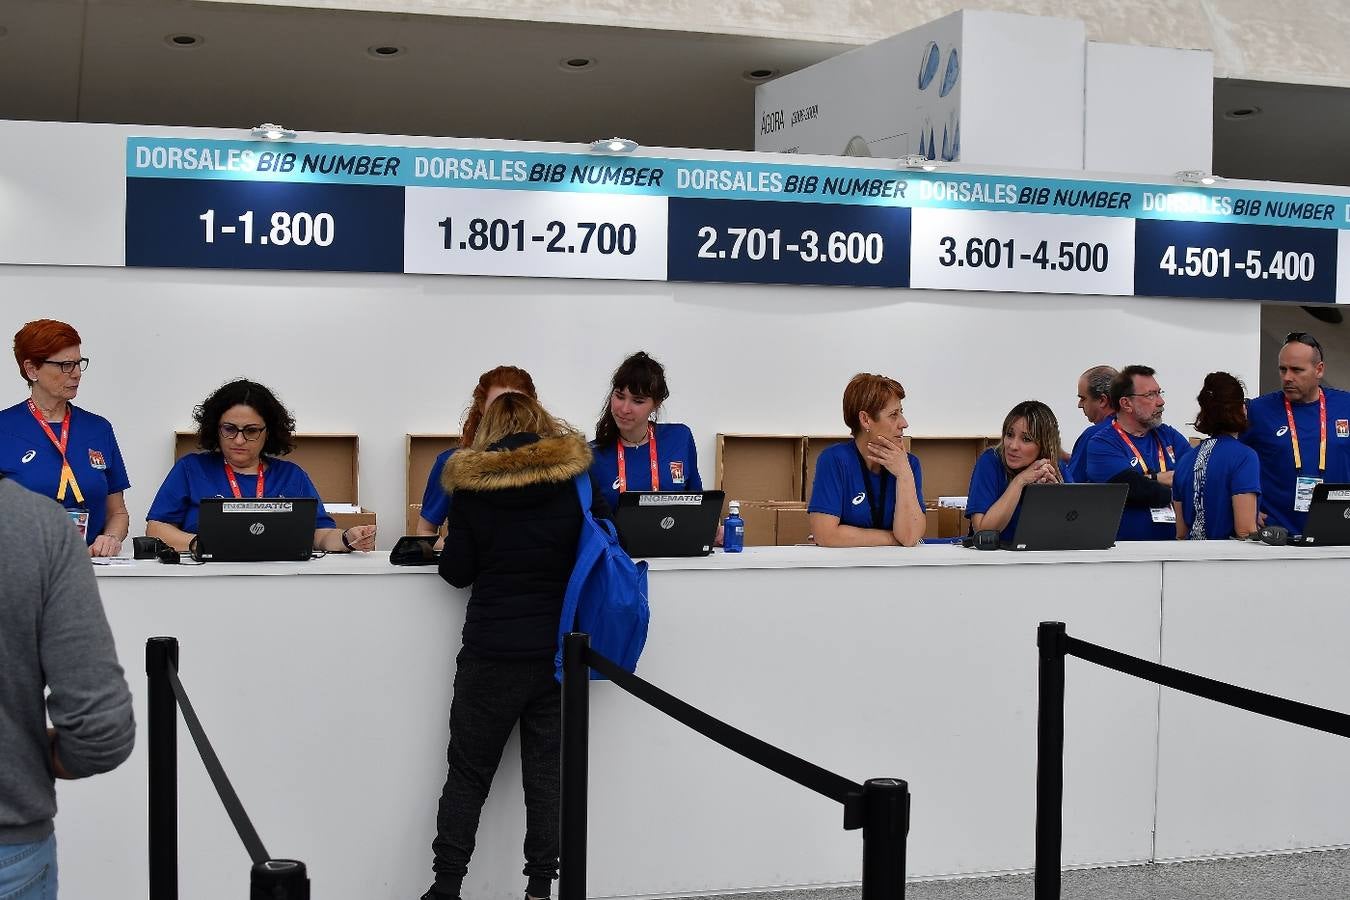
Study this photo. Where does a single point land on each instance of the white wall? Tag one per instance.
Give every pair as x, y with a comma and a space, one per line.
383, 355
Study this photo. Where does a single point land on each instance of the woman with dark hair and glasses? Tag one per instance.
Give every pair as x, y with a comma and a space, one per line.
1217, 484
55, 448
1029, 453
1301, 434
632, 451
242, 430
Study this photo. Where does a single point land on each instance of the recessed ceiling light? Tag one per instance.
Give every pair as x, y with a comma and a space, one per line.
576, 63
386, 51
184, 41
1238, 113
759, 74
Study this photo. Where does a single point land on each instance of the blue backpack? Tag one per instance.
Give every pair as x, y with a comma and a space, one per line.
606, 596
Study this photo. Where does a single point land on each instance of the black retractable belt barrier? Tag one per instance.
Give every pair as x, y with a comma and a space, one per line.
1054, 644
880, 807
269, 879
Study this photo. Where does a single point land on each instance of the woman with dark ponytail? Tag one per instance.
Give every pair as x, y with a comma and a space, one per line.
1218, 484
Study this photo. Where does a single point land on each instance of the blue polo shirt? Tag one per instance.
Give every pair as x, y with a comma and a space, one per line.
842, 488
435, 501
1268, 434
676, 464
1078, 458
1108, 456
987, 484
200, 475
1233, 469
28, 457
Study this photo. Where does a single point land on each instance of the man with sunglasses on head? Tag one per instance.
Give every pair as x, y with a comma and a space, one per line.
1135, 448
1301, 434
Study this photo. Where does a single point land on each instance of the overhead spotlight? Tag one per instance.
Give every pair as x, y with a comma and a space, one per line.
271, 132
1196, 176
614, 145
918, 161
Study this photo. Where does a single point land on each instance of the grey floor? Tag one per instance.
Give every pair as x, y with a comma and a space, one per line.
1319, 875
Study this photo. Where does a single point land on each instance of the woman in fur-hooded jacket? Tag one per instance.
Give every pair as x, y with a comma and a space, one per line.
513, 531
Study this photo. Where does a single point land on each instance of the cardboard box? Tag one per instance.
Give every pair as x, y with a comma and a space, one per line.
947, 462
754, 467
762, 520
422, 450
817, 444
946, 522
793, 526
330, 460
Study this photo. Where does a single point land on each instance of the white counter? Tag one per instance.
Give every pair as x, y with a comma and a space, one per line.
326, 695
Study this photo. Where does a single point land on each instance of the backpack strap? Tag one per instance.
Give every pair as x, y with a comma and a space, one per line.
583, 483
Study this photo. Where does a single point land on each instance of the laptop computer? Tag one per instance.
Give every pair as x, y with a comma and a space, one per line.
256, 529
1069, 517
1328, 522
657, 523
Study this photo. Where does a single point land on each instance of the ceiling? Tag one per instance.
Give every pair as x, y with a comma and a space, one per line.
315, 70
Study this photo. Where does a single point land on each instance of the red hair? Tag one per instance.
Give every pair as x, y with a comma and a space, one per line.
870, 394
38, 340
512, 378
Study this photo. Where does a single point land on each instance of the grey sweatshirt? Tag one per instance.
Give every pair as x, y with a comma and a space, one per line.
53, 634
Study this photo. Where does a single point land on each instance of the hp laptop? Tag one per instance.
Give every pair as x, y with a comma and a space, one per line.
1328, 523
256, 530
655, 523
1069, 517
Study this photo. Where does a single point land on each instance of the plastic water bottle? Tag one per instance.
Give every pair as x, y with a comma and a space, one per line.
733, 530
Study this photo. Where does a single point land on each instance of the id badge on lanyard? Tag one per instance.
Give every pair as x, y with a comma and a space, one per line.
1162, 515
80, 519
656, 467
1304, 484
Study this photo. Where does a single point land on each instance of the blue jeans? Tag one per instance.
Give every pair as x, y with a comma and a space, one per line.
28, 871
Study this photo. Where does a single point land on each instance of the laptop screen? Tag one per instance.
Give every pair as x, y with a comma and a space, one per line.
256, 530
659, 523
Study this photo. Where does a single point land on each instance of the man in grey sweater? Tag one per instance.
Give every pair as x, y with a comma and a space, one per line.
53, 636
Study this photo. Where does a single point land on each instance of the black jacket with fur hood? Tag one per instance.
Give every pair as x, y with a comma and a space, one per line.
514, 524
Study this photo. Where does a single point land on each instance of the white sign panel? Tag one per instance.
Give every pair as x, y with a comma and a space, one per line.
1343, 265
1025, 252
456, 231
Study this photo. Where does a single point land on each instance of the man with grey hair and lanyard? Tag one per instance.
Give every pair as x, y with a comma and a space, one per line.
1094, 399
1301, 434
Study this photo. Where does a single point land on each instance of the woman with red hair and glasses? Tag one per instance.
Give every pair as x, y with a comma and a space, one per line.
53, 447
491, 385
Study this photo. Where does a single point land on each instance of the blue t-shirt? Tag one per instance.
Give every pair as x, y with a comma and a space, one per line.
987, 484
1232, 469
1268, 435
199, 475
843, 489
1108, 456
676, 464
435, 501
1078, 459
28, 456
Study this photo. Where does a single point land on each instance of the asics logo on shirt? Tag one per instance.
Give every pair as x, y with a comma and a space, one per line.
616, 484
860, 498
28, 457
1282, 431
1134, 463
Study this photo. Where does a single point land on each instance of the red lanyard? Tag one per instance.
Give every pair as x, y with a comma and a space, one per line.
234, 485
67, 474
1293, 433
1162, 460
656, 469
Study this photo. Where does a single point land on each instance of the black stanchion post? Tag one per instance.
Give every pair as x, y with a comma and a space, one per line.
1050, 639
162, 737
279, 879
576, 714
885, 828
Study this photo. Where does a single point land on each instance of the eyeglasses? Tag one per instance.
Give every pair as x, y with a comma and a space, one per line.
68, 365
1302, 337
1149, 395
230, 431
